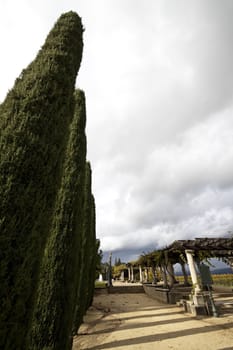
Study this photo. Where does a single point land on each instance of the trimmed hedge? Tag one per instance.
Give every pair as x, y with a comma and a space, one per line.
34, 124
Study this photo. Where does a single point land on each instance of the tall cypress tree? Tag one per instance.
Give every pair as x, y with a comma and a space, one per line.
82, 294
34, 127
53, 316
94, 246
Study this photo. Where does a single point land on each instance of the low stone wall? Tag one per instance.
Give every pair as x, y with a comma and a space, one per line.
101, 291
165, 295
119, 290
222, 289
126, 289
160, 294
177, 293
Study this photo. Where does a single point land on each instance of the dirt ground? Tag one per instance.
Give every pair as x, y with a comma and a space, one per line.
135, 321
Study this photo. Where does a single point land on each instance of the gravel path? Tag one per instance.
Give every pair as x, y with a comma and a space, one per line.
135, 321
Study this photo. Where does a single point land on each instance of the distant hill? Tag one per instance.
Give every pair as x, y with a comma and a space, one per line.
219, 271
225, 270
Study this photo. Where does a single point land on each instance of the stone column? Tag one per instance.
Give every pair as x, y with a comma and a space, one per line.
230, 262
110, 271
153, 269
122, 278
140, 273
146, 274
171, 277
129, 275
192, 268
164, 274
170, 271
186, 283
132, 276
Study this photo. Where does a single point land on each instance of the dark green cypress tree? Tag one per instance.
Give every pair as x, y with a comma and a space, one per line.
54, 311
82, 294
34, 126
94, 246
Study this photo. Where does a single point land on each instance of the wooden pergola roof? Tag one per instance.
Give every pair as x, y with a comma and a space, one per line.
219, 247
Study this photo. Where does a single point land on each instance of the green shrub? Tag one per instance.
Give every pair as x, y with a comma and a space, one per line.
100, 284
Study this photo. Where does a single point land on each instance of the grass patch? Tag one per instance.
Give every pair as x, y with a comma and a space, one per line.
100, 284
225, 280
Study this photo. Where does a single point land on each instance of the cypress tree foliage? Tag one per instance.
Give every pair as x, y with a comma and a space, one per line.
54, 311
93, 255
34, 124
82, 294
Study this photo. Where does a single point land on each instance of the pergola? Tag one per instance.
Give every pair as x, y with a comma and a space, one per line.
193, 252
216, 247
182, 251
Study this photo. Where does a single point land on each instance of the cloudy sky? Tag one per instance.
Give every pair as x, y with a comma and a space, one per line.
158, 78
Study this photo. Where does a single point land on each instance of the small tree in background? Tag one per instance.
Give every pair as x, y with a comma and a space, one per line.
99, 257
34, 124
117, 262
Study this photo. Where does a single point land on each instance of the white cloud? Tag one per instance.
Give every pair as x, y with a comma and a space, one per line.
159, 92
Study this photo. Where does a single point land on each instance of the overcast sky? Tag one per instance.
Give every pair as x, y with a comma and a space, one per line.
158, 79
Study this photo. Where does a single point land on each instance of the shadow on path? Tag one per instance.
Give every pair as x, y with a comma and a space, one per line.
159, 337
145, 324
127, 318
